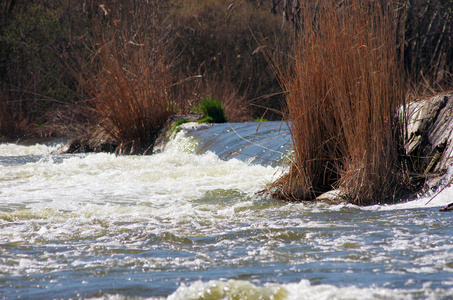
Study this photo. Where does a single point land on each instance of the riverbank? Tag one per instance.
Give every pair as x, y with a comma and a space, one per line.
428, 147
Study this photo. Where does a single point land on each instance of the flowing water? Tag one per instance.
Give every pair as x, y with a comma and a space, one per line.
186, 224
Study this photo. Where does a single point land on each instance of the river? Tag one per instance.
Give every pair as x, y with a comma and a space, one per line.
188, 223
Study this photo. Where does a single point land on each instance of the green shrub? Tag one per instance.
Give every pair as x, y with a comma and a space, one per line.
213, 110
29, 68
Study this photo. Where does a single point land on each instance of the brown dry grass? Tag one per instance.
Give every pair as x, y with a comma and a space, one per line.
131, 98
133, 82
343, 91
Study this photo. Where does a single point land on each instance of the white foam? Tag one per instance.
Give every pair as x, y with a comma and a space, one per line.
237, 289
8, 149
88, 194
97, 201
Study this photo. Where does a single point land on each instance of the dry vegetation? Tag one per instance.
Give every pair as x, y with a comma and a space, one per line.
208, 49
344, 87
219, 41
125, 66
428, 52
132, 81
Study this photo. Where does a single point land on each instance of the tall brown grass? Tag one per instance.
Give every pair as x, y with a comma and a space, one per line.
342, 94
132, 85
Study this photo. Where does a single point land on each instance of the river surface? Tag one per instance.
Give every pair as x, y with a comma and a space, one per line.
188, 223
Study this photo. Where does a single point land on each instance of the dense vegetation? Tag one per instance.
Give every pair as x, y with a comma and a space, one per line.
336, 69
61, 61
342, 95
212, 48
343, 88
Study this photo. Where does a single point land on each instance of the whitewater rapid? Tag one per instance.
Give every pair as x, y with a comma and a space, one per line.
182, 225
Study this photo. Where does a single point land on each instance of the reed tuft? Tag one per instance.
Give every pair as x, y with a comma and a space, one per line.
342, 94
133, 81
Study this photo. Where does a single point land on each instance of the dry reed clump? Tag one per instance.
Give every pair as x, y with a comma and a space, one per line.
343, 91
133, 81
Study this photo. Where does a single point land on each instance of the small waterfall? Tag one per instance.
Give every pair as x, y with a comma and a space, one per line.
266, 143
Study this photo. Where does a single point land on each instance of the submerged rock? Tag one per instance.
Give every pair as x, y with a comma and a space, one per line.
330, 196
449, 207
85, 144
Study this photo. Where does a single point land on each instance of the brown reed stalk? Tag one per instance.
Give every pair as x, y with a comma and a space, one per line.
132, 85
343, 91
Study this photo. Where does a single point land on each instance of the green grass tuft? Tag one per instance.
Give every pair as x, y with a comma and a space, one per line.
261, 120
206, 119
213, 110
178, 123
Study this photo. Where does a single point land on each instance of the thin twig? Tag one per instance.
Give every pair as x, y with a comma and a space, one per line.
448, 184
